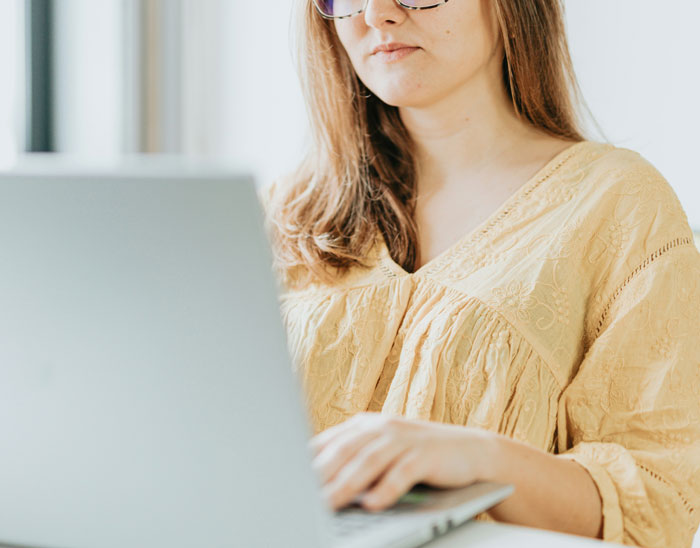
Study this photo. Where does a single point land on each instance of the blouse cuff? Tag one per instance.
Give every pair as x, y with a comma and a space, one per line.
612, 513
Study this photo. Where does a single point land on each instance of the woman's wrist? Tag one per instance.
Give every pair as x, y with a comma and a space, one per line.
490, 464
550, 493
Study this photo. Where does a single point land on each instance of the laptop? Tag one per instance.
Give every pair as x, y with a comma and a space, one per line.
147, 396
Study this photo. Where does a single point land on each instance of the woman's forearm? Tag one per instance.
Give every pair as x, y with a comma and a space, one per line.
550, 492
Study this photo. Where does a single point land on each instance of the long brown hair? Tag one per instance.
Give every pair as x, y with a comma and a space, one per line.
359, 174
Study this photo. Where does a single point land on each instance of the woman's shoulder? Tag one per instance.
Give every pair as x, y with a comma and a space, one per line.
624, 187
623, 171
629, 215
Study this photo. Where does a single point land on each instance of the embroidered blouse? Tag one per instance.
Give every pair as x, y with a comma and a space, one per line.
569, 319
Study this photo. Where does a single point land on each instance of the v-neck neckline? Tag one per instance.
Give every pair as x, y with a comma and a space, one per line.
487, 224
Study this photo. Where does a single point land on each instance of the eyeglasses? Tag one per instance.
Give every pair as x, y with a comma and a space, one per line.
341, 9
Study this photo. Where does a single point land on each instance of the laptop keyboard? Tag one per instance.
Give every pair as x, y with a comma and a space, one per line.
352, 521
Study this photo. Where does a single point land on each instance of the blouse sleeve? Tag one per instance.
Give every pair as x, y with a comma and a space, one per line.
631, 414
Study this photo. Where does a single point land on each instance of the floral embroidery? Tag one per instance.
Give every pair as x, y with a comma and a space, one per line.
566, 241
619, 237
561, 304
662, 346
565, 190
473, 258
514, 297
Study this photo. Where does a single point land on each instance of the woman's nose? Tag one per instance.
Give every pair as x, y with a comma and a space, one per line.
379, 13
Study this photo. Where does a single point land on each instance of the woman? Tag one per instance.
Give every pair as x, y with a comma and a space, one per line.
481, 291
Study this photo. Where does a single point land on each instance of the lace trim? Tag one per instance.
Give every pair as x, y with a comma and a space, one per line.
688, 507
650, 259
386, 270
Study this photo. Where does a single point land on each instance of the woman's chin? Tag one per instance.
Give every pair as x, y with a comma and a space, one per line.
401, 99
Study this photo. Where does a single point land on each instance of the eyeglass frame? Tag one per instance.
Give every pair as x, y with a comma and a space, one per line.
399, 2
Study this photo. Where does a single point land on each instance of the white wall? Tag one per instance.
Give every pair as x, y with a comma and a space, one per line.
242, 101
637, 62
264, 119
11, 104
88, 57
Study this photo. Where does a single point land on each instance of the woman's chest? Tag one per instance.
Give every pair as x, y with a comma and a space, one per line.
421, 350
446, 216
442, 319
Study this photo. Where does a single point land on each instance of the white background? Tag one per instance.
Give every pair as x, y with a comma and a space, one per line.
10, 80
88, 65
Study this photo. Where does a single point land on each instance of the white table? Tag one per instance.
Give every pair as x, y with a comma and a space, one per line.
479, 534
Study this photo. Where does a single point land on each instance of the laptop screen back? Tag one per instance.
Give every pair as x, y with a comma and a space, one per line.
146, 393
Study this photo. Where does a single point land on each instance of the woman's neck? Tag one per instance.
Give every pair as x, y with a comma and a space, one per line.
468, 132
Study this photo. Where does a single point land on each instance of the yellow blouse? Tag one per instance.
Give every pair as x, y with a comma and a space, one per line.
569, 319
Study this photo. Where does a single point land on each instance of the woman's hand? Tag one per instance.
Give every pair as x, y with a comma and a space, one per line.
386, 456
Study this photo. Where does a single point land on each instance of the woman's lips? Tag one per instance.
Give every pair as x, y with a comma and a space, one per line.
394, 55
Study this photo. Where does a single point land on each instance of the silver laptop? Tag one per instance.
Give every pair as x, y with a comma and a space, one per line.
146, 393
